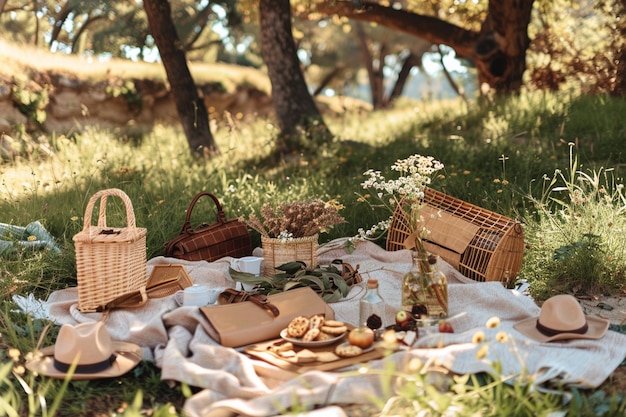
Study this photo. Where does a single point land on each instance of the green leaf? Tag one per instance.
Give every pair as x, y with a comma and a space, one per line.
313, 280
291, 267
330, 298
248, 278
293, 284
341, 285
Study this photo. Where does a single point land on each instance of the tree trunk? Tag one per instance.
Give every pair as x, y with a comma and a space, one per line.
293, 104
619, 89
327, 79
190, 107
458, 89
498, 50
409, 62
374, 73
59, 21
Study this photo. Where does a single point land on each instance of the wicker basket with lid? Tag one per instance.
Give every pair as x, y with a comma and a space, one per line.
481, 244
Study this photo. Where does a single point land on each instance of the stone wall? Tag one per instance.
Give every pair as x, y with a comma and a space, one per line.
51, 102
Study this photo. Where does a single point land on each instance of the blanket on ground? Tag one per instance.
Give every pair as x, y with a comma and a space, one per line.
175, 338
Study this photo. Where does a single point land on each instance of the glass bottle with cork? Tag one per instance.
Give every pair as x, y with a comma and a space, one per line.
372, 307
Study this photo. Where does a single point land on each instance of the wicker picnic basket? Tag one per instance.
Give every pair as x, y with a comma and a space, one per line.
277, 252
110, 262
481, 244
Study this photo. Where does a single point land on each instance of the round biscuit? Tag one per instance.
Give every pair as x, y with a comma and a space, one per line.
311, 335
324, 336
298, 326
334, 323
348, 351
334, 331
316, 321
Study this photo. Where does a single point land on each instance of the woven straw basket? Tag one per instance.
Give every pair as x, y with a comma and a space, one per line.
481, 244
110, 262
277, 252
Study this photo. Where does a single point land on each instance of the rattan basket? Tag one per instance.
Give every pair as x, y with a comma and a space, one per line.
277, 252
110, 262
481, 244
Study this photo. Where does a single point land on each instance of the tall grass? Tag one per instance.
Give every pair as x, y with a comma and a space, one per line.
494, 156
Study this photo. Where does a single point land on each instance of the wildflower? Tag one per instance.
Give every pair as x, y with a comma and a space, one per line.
74, 218
478, 337
14, 354
481, 353
493, 322
502, 337
32, 238
19, 370
415, 364
406, 192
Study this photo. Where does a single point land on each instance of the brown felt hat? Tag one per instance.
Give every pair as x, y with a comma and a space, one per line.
562, 318
89, 346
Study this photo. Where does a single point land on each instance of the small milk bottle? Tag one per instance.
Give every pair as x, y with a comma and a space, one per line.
372, 304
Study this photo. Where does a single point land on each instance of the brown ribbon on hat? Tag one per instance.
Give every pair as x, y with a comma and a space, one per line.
552, 332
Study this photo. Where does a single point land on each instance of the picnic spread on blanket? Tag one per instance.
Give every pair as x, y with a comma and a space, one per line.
203, 324
176, 338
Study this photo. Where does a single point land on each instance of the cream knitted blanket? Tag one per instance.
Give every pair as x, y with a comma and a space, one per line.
174, 337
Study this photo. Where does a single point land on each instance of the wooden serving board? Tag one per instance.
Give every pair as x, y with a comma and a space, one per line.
261, 351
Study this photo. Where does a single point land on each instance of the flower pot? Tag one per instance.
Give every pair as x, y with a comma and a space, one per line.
277, 252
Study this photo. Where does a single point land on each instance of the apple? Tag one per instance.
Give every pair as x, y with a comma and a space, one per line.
402, 318
445, 327
362, 337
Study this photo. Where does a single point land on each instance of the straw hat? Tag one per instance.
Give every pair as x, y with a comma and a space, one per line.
562, 318
89, 345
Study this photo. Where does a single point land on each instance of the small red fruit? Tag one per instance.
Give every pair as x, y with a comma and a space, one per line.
402, 318
445, 327
362, 337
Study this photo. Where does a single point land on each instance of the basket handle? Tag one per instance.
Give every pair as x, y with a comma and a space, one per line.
221, 216
102, 217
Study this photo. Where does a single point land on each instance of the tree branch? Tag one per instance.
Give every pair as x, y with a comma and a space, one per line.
429, 28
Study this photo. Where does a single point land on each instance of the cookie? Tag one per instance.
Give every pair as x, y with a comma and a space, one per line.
348, 351
316, 321
324, 336
305, 356
311, 335
298, 326
334, 323
334, 331
281, 346
287, 354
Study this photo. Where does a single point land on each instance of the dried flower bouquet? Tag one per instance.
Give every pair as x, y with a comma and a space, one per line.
295, 220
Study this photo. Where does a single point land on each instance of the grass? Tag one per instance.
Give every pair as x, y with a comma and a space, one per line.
515, 157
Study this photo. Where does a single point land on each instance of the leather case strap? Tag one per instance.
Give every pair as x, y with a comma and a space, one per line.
230, 295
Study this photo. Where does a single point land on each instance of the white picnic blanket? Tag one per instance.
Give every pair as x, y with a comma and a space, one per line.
174, 337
